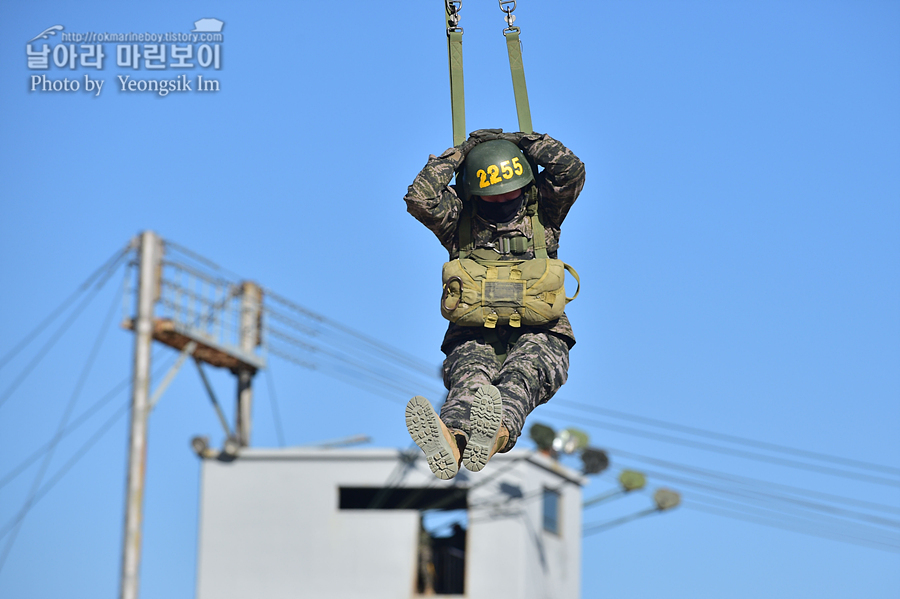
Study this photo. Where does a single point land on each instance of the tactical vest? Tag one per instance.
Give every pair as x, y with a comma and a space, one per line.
479, 290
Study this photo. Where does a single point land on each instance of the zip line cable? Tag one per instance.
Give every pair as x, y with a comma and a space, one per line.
824, 457
736, 452
75, 424
118, 255
79, 385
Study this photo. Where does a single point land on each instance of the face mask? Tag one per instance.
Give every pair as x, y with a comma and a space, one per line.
500, 212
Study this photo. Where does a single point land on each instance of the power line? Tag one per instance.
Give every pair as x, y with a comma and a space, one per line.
747, 481
590, 529
758, 516
353, 379
383, 349
789, 504
76, 424
113, 260
46, 348
804, 523
201, 259
76, 457
372, 360
519, 501
461, 490
360, 378
313, 341
101, 335
276, 415
736, 452
406, 461
729, 438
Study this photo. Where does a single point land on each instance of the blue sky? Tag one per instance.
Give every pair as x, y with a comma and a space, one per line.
737, 241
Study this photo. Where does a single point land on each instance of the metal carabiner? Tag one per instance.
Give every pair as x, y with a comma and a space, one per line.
510, 17
453, 7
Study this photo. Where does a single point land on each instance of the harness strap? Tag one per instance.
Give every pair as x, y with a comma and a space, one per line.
454, 52
517, 70
538, 238
466, 242
501, 348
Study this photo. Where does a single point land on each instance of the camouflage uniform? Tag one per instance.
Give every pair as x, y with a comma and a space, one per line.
537, 357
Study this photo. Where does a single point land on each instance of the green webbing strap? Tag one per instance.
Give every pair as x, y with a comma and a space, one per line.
538, 239
501, 348
457, 95
514, 47
466, 243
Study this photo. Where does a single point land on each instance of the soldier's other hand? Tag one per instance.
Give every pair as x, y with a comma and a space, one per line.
512, 137
527, 138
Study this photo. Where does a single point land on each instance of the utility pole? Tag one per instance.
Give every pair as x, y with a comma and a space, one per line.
190, 319
251, 300
148, 292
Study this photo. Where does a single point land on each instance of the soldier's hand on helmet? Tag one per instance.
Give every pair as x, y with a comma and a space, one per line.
476, 137
523, 140
486, 134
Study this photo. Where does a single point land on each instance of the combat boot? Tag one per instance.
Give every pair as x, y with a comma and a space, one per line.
488, 434
433, 437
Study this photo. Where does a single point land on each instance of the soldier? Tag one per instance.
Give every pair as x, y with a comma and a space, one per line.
500, 368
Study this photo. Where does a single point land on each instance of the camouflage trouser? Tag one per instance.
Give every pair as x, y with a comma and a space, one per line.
535, 368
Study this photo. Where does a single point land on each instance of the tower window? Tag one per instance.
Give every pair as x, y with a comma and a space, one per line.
551, 511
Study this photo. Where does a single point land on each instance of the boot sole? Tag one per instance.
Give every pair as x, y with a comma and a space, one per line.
486, 417
424, 427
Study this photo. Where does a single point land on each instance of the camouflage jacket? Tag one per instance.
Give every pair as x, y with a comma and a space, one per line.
436, 204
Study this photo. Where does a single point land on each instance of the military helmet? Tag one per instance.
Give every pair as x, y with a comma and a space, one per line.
494, 167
